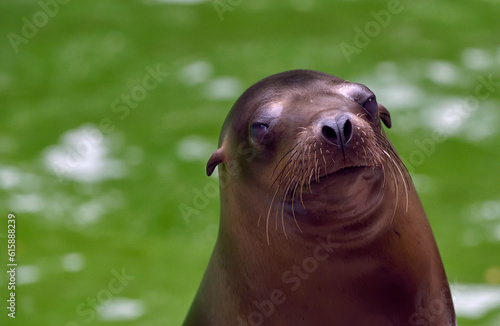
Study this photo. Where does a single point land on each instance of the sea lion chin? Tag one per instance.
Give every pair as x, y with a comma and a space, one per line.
304, 161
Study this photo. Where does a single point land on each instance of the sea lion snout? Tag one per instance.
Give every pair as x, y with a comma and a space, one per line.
337, 131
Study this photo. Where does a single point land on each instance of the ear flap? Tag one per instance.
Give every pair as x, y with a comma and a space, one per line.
385, 116
214, 160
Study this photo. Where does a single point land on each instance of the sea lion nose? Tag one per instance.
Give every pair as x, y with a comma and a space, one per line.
337, 131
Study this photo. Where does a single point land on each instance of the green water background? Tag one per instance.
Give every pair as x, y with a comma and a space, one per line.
91, 52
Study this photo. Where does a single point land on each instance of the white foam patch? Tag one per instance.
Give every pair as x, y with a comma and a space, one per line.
463, 117
58, 206
442, 72
196, 72
89, 212
73, 212
486, 218
73, 262
483, 123
302, 5
9, 177
12, 178
400, 95
392, 89
27, 274
26, 203
194, 148
496, 233
446, 115
473, 301
477, 59
223, 88
121, 309
83, 155
487, 210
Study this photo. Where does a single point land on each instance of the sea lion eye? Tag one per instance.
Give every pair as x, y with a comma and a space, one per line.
371, 106
258, 131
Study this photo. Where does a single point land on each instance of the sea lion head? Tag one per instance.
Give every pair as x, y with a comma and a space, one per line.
311, 149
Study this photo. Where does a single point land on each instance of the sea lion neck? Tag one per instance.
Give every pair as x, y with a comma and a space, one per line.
330, 207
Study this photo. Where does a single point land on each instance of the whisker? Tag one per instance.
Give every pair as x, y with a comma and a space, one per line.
402, 176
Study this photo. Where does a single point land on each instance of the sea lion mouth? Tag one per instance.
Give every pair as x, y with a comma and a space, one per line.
344, 175
348, 169
344, 171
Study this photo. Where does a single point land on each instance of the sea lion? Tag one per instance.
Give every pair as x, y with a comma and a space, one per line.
320, 222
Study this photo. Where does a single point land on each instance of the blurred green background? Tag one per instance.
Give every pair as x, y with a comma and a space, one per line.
110, 109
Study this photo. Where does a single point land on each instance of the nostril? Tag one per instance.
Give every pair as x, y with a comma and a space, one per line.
338, 131
347, 130
329, 133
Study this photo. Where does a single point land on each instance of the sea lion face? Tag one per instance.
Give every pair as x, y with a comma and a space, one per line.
314, 143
